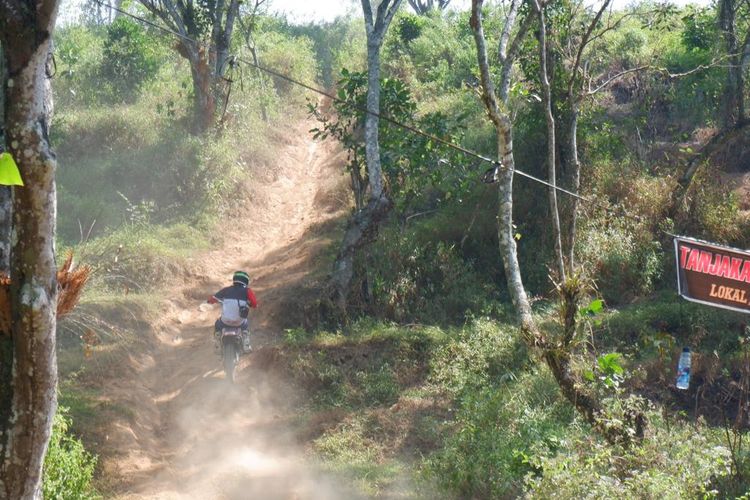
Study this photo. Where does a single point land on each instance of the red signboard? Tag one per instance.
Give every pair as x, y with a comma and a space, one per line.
714, 275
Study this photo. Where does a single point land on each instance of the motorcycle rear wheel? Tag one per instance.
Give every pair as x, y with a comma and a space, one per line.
230, 361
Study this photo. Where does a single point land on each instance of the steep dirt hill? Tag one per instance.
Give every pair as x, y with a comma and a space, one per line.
193, 435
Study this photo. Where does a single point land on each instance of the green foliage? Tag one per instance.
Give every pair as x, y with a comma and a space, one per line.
433, 54
712, 212
130, 59
593, 308
669, 320
411, 163
79, 56
678, 460
481, 354
379, 387
609, 369
339, 375
508, 412
351, 449
68, 467
339, 44
626, 264
699, 32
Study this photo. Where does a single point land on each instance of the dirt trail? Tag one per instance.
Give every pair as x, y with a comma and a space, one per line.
197, 436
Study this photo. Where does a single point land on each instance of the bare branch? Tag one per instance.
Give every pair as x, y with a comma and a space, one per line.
612, 79
510, 21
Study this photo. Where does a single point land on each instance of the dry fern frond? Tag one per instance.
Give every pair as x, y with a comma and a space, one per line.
70, 284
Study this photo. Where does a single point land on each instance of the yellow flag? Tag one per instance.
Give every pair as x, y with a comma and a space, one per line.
9, 174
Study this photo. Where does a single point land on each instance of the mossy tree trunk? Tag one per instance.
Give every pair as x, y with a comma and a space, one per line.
27, 351
5, 191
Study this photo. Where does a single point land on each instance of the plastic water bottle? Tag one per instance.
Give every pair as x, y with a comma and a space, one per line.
683, 369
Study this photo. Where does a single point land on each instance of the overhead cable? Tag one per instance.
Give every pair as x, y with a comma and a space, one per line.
486, 176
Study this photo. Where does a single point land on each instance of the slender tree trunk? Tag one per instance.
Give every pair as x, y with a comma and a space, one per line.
555, 356
574, 168
372, 122
733, 102
29, 367
261, 80
551, 141
508, 47
363, 227
114, 14
504, 128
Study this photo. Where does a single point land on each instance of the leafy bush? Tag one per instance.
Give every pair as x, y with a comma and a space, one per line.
712, 211
631, 327
290, 56
130, 58
79, 56
68, 467
625, 265
480, 354
508, 412
426, 281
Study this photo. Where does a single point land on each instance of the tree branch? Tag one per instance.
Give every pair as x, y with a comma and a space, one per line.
584, 43
611, 79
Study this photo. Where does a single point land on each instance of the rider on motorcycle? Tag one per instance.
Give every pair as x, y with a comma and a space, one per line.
235, 303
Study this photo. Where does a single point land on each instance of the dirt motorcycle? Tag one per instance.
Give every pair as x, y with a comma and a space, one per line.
231, 345
231, 348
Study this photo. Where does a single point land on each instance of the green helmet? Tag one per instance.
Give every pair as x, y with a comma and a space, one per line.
241, 277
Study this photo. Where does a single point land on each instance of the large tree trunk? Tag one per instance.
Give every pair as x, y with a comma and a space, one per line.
204, 99
28, 364
5, 191
207, 58
361, 230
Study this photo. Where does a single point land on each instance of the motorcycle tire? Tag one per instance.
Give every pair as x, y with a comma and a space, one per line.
230, 360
